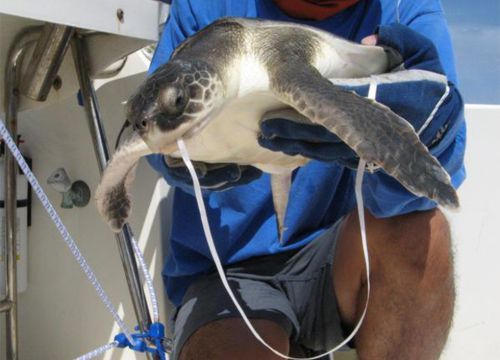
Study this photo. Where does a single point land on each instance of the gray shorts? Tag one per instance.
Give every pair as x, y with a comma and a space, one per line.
294, 289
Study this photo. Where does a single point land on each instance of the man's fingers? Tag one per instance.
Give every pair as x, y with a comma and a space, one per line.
291, 130
217, 178
370, 40
329, 152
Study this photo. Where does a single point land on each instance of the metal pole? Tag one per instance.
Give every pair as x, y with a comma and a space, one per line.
12, 73
102, 152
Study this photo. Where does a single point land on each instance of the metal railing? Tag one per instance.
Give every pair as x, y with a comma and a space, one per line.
12, 79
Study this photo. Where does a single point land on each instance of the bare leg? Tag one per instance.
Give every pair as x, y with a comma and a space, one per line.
230, 339
412, 299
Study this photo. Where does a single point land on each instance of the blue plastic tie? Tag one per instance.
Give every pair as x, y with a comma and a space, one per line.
155, 335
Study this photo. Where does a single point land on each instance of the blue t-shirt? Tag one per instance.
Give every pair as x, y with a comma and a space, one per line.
242, 219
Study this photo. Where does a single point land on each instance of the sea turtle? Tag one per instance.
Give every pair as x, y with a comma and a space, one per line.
220, 82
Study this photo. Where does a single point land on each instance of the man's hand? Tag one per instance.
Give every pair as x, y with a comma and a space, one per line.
286, 131
412, 98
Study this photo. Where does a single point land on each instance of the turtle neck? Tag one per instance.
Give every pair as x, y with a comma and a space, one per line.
313, 9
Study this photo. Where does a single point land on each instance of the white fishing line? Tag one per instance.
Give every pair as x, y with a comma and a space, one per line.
220, 269
398, 13
434, 111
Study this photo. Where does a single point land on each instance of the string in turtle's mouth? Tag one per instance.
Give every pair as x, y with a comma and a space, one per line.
170, 146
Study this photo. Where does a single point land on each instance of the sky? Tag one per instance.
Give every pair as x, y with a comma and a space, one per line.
475, 32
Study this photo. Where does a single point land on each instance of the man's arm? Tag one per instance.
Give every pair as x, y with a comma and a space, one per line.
427, 18
180, 24
445, 135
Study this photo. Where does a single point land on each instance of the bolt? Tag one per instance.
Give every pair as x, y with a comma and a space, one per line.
57, 83
120, 14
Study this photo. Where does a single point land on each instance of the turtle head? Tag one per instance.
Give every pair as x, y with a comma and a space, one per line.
176, 101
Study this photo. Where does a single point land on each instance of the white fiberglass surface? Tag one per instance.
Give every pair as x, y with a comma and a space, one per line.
475, 232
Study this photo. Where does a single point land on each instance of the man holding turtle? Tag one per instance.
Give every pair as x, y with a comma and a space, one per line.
304, 296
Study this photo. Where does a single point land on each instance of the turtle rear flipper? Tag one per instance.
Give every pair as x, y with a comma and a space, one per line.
371, 129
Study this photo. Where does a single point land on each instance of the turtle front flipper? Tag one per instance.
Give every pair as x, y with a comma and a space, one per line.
371, 129
112, 195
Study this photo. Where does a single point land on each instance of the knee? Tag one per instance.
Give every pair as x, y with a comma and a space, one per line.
408, 254
230, 339
415, 245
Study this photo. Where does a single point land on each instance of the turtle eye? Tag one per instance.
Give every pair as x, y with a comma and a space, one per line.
173, 100
179, 101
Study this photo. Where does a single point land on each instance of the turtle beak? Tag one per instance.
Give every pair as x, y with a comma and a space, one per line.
165, 142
